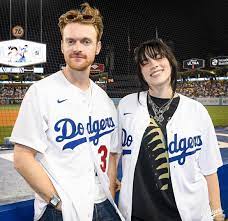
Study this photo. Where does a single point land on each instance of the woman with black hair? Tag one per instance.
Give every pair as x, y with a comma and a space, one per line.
170, 153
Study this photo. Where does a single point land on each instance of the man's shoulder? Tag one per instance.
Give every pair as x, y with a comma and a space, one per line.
47, 84
49, 79
43, 86
102, 94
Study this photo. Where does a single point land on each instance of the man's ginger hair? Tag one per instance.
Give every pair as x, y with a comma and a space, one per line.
77, 14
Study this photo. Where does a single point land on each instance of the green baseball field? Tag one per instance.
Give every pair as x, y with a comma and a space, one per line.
8, 115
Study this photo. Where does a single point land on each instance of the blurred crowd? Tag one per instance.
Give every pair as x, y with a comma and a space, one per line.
13, 94
207, 88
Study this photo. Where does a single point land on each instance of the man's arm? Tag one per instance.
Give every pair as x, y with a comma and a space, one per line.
26, 164
112, 173
214, 195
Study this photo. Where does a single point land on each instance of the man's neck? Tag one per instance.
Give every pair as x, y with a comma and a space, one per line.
79, 79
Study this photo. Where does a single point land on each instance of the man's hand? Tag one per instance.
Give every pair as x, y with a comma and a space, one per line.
59, 206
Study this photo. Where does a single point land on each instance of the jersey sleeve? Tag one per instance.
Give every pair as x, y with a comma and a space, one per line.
30, 126
115, 137
210, 157
118, 134
114, 142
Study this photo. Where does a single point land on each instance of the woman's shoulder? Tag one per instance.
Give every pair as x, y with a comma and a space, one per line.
189, 100
192, 104
133, 98
132, 101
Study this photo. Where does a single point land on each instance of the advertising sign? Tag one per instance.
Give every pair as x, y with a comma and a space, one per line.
18, 70
219, 61
97, 68
20, 53
193, 63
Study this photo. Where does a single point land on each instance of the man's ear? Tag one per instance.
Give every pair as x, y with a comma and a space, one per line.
98, 49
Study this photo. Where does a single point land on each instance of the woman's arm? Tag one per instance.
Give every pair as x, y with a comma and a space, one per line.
214, 196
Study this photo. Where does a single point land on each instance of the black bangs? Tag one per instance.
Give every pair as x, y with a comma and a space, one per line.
153, 51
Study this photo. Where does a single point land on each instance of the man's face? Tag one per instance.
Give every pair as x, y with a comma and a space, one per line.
79, 45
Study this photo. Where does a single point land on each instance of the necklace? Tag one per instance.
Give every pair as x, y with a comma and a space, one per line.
159, 111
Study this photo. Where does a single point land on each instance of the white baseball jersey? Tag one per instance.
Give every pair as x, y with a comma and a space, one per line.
74, 136
192, 147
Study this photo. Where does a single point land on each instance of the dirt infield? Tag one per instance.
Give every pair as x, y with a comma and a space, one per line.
8, 117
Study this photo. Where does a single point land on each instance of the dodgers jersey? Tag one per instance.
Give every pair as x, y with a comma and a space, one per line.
74, 136
192, 148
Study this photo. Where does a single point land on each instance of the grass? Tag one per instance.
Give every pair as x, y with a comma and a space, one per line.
10, 107
5, 132
219, 115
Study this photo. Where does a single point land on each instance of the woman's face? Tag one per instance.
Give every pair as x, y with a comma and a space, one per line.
156, 71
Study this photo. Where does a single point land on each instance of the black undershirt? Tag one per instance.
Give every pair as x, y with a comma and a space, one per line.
153, 198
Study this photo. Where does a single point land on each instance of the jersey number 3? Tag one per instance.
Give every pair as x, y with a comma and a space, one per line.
104, 153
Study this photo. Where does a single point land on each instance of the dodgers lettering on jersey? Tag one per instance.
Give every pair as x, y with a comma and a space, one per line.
184, 147
126, 141
69, 130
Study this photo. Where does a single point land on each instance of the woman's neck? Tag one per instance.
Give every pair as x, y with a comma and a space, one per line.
161, 93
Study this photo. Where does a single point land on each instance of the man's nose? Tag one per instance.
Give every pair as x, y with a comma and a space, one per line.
77, 46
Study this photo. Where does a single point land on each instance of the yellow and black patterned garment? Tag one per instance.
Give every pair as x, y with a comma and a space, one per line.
153, 198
